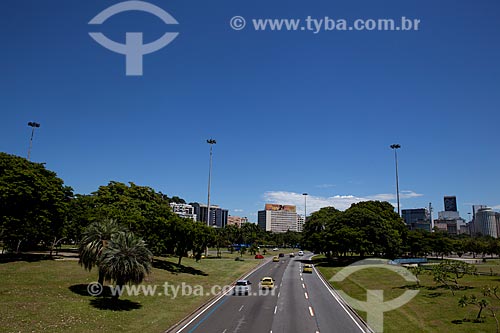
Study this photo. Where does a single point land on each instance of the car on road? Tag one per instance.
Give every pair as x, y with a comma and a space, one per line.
276, 259
242, 287
275, 249
281, 255
267, 283
292, 255
301, 253
259, 256
308, 268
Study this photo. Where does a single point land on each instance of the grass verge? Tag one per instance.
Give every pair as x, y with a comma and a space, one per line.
51, 296
434, 309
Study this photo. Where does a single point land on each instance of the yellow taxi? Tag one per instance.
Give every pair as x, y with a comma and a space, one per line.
267, 283
308, 268
276, 259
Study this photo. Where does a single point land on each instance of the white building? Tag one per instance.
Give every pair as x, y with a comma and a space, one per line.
278, 218
183, 210
485, 222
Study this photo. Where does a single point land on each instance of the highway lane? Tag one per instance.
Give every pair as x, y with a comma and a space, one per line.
235, 313
294, 314
331, 314
301, 303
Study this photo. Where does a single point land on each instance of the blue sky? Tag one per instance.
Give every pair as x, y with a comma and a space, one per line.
292, 112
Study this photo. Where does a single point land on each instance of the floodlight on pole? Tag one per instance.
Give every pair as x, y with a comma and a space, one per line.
211, 142
395, 147
33, 125
305, 206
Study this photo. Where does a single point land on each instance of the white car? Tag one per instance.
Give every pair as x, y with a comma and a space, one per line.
242, 287
301, 253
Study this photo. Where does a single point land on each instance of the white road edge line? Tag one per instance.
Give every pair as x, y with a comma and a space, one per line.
224, 331
338, 300
217, 300
311, 311
275, 309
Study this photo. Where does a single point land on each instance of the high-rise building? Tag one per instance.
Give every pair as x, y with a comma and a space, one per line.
449, 220
218, 216
472, 225
183, 210
278, 218
450, 203
300, 223
485, 222
418, 218
497, 218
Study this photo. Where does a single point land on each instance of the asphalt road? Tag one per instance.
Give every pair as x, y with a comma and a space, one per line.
300, 303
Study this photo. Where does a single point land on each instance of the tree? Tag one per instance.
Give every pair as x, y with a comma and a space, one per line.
417, 271
126, 260
33, 203
219, 239
80, 216
201, 235
181, 228
145, 212
95, 239
448, 272
313, 235
480, 303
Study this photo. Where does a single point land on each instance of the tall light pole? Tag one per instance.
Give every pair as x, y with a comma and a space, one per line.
395, 147
305, 206
211, 142
33, 125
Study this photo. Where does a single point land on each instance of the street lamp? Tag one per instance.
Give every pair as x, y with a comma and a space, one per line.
305, 206
210, 142
395, 147
33, 125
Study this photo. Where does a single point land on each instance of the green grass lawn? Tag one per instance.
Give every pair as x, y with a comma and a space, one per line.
51, 296
434, 308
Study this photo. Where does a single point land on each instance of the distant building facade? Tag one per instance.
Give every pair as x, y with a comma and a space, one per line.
449, 220
485, 222
450, 204
300, 223
418, 218
236, 220
218, 216
278, 218
183, 210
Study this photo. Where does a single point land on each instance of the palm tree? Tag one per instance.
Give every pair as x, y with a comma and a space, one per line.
95, 239
126, 260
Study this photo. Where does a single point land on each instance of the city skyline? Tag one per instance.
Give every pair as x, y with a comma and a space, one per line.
292, 112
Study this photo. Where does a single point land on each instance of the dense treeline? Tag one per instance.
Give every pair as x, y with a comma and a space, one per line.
37, 209
373, 228
366, 228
